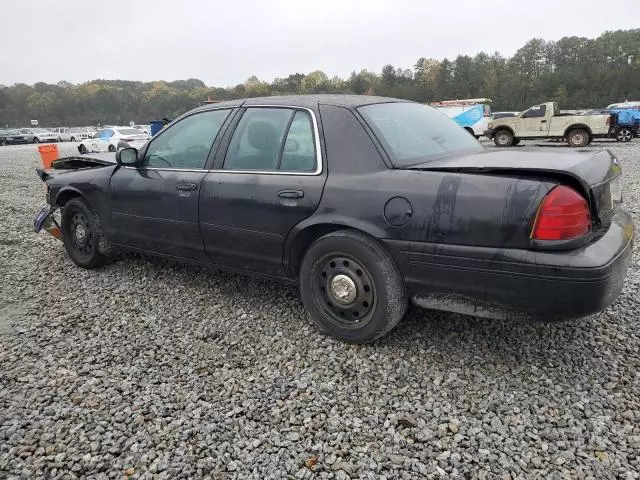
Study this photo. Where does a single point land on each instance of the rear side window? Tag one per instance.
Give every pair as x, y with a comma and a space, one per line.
412, 133
272, 139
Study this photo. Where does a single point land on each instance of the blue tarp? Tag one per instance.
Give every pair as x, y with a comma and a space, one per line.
627, 116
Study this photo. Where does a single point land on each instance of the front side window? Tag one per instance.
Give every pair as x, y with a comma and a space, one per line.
186, 144
412, 133
272, 139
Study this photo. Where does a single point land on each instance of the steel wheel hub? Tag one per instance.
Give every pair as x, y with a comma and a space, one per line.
343, 289
81, 234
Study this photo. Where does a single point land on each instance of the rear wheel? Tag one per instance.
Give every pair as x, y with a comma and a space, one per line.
59, 139
578, 138
112, 148
503, 138
351, 287
624, 135
72, 139
35, 140
83, 236
82, 149
3, 142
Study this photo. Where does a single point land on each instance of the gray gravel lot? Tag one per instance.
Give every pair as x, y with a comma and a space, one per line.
149, 369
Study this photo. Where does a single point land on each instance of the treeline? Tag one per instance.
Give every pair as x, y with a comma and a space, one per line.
575, 72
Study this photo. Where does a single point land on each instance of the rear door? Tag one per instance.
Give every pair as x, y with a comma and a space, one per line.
269, 178
155, 207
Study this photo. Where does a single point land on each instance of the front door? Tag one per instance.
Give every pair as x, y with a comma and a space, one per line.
533, 122
270, 179
154, 207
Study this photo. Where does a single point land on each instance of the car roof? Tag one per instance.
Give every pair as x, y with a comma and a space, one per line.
303, 101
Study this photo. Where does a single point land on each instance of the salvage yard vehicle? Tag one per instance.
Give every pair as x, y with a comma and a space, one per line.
107, 139
64, 134
39, 135
9, 136
546, 121
365, 202
625, 122
472, 114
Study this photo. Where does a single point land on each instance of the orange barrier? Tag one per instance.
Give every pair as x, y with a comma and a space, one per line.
48, 153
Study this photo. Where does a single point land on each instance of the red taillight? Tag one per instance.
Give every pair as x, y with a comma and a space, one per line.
562, 215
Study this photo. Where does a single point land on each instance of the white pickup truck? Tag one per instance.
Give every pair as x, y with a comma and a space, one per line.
546, 121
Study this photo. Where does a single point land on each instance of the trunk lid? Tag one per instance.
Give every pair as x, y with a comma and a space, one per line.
595, 173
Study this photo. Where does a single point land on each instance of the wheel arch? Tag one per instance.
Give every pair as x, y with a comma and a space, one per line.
66, 194
577, 126
306, 232
500, 128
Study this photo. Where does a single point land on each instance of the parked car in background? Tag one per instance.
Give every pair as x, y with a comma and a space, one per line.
79, 133
145, 128
11, 136
471, 114
64, 134
107, 139
39, 135
625, 123
625, 104
546, 121
388, 200
497, 115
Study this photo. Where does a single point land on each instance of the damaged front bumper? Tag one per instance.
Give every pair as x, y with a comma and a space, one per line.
45, 220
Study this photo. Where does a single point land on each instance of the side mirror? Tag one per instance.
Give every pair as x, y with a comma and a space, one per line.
127, 157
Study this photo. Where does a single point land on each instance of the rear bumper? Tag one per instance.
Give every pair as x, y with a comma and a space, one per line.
519, 284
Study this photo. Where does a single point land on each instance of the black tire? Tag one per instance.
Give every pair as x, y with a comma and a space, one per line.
112, 148
82, 149
3, 142
503, 138
35, 140
624, 135
578, 138
72, 139
83, 237
380, 299
515, 142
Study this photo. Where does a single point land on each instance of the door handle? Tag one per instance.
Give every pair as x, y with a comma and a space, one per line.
186, 187
291, 194
543, 121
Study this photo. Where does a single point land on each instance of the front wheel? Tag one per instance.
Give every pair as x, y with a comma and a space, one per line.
503, 138
35, 140
112, 148
83, 236
72, 139
351, 287
624, 135
82, 149
578, 138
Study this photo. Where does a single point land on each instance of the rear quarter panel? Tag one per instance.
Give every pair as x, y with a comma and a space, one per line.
434, 207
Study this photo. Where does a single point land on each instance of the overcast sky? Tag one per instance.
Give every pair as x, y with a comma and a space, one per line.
223, 43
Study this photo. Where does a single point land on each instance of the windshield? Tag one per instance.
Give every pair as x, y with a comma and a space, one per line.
130, 131
413, 133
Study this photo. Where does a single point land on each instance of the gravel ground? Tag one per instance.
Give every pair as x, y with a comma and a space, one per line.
148, 369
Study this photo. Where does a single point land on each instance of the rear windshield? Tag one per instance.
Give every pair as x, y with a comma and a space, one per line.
413, 133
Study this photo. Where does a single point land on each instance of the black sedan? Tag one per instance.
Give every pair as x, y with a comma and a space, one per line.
11, 137
365, 202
